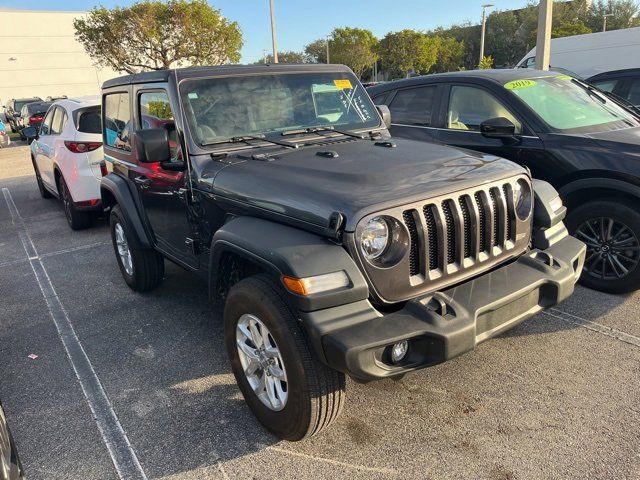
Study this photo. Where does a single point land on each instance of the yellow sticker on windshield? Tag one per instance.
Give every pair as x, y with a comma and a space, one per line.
519, 84
563, 77
343, 84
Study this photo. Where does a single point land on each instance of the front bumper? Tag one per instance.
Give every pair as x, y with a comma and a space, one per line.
355, 338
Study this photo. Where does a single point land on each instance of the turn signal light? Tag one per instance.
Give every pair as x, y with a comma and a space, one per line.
103, 169
82, 147
316, 284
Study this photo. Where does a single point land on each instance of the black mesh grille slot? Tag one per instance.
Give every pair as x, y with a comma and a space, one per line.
432, 236
451, 232
496, 217
506, 190
466, 217
481, 222
410, 223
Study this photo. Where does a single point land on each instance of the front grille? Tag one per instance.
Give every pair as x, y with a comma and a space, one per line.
460, 231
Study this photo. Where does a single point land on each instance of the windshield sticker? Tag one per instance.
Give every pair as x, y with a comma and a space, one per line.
564, 77
343, 83
192, 95
519, 84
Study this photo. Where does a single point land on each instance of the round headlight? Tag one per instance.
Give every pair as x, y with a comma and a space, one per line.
374, 238
522, 199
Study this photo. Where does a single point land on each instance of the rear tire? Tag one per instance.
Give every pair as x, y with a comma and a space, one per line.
76, 219
314, 392
141, 268
611, 231
44, 193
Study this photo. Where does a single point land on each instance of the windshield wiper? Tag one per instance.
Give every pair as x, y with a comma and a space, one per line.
248, 138
320, 129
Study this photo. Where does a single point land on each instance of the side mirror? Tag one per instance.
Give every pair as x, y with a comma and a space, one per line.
31, 133
499, 127
152, 145
385, 114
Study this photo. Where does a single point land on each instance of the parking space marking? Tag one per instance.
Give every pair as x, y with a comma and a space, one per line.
74, 249
124, 458
381, 470
593, 326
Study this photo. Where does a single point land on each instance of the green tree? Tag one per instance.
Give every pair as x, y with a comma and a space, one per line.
625, 14
154, 34
160, 109
285, 57
407, 51
486, 63
449, 54
316, 51
354, 47
568, 29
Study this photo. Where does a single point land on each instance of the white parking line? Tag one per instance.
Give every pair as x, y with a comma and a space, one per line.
122, 454
593, 326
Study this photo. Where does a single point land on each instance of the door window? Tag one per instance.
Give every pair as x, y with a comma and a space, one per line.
470, 106
117, 121
606, 85
155, 112
634, 92
59, 121
45, 127
413, 106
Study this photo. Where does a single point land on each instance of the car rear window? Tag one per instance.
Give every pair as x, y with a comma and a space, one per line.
87, 120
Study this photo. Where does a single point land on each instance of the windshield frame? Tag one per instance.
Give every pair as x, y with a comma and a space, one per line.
596, 128
196, 147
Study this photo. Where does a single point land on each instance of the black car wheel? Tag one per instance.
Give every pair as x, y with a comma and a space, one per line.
611, 232
287, 388
77, 220
141, 268
44, 193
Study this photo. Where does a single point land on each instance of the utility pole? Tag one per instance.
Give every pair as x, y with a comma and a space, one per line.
328, 36
484, 26
604, 21
543, 44
264, 55
273, 32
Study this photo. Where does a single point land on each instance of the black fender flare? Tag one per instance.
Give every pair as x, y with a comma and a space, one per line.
119, 190
283, 250
608, 183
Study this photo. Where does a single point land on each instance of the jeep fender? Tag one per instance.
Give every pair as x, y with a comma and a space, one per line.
114, 189
282, 250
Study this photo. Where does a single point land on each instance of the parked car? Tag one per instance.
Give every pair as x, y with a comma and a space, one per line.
336, 249
53, 99
67, 157
563, 130
622, 83
32, 115
592, 53
10, 466
12, 110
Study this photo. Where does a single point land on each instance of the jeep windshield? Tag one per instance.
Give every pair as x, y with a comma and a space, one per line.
569, 106
228, 108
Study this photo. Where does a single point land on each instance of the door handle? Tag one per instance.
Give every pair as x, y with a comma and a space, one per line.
143, 182
181, 193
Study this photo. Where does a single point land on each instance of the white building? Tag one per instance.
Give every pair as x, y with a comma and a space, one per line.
39, 56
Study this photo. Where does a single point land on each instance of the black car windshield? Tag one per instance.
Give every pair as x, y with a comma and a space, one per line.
38, 107
224, 108
21, 103
568, 106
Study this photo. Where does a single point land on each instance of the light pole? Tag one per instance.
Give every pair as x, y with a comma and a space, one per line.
604, 21
273, 32
264, 55
328, 37
484, 24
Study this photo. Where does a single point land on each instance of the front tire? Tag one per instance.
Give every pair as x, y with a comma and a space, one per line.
141, 268
611, 231
286, 386
76, 219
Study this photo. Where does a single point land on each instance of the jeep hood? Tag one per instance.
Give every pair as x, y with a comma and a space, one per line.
364, 178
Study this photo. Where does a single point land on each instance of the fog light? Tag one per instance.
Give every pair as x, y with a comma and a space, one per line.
399, 351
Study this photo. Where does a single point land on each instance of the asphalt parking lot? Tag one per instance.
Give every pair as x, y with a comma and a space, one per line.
557, 397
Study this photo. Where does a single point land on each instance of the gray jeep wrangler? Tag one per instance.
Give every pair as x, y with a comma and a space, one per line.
334, 248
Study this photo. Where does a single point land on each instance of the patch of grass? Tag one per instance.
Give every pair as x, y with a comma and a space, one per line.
14, 135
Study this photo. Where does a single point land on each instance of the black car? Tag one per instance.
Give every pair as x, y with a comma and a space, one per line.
334, 248
566, 132
13, 108
622, 83
32, 115
10, 466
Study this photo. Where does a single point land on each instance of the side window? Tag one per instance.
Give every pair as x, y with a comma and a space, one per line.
155, 112
56, 123
413, 106
634, 92
606, 85
380, 99
117, 121
470, 106
45, 127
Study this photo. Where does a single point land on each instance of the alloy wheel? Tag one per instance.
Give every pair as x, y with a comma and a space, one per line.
613, 249
123, 249
262, 362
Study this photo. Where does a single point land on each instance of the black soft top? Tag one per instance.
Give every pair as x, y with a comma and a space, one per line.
200, 72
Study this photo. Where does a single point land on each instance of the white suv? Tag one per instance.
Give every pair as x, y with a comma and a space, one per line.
67, 157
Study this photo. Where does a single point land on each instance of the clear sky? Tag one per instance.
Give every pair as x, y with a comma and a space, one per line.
301, 21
